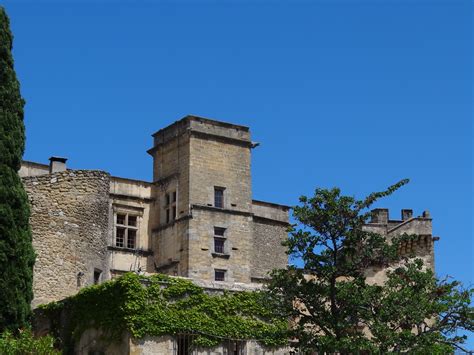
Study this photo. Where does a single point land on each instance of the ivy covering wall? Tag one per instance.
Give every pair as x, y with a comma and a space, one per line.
161, 305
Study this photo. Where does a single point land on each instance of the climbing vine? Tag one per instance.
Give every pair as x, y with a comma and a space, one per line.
162, 305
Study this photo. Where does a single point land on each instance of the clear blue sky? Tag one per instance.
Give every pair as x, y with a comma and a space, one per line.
355, 94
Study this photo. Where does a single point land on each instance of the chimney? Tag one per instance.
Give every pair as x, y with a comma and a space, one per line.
426, 214
407, 214
379, 215
57, 164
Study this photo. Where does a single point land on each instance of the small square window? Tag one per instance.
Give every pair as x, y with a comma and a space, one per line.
132, 221
219, 231
218, 197
219, 275
121, 219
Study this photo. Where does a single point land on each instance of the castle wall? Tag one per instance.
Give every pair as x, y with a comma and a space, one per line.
29, 168
268, 253
226, 165
131, 197
170, 246
237, 247
422, 247
270, 224
69, 221
171, 174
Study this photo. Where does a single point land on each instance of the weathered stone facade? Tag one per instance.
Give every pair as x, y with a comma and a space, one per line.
70, 223
192, 158
421, 226
196, 219
86, 222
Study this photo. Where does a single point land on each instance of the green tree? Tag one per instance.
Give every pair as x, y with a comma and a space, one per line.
332, 306
16, 250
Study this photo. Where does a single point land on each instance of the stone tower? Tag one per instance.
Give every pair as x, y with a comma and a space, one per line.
207, 226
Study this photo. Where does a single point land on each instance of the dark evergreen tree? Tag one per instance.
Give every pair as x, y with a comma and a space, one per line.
16, 251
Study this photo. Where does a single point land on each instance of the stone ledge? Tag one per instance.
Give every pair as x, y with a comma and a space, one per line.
132, 198
221, 210
220, 255
141, 252
266, 220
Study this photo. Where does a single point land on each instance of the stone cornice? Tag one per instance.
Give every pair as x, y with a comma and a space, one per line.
141, 252
221, 210
266, 220
131, 198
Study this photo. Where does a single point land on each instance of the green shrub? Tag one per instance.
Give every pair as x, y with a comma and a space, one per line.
26, 344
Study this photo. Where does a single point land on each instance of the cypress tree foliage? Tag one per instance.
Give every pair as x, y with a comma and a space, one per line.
16, 251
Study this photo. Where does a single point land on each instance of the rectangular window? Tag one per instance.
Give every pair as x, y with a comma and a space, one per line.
97, 274
235, 348
219, 197
219, 231
120, 237
170, 206
131, 238
126, 231
219, 275
132, 221
121, 219
219, 245
183, 345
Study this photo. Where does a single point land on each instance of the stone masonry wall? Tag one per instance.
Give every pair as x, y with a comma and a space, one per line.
220, 164
268, 253
423, 247
69, 220
237, 248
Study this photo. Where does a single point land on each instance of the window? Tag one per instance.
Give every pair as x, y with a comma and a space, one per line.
219, 197
219, 245
132, 221
126, 230
170, 206
182, 345
219, 231
219, 275
120, 237
121, 218
219, 240
131, 240
235, 348
97, 274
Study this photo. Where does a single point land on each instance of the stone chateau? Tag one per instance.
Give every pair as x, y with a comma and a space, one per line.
196, 219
